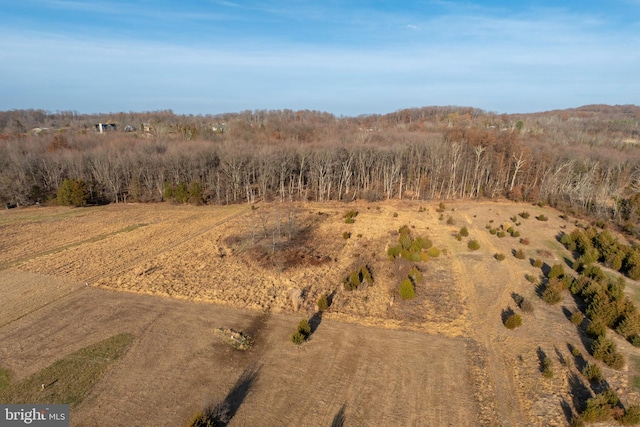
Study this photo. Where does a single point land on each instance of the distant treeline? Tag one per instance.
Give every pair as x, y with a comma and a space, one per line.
584, 159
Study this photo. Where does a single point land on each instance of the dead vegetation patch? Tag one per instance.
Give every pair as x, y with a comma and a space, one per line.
235, 339
279, 238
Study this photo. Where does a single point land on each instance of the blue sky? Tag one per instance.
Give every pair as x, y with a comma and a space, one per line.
344, 57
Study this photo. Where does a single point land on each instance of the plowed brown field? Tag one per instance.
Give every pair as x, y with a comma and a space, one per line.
443, 358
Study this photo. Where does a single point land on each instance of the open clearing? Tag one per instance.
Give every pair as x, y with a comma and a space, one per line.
443, 358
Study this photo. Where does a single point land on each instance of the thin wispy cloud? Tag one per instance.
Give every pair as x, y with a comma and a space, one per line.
346, 60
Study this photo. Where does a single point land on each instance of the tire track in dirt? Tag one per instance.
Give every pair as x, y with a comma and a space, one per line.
118, 254
62, 248
23, 293
495, 389
68, 270
164, 249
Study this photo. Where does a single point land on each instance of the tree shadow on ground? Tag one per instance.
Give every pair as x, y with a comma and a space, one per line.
221, 414
255, 327
542, 356
580, 393
546, 268
561, 358
339, 419
315, 321
578, 360
569, 262
541, 287
517, 298
506, 313
567, 411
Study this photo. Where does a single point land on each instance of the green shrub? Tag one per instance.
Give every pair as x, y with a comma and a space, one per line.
577, 318
524, 214
450, 220
568, 241
405, 240
416, 244
531, 278
304, 328
493, 231
592, 372
297, 338
464, 232
349, 216
597, 410
406, 289
577, 421
556, 271
513, 321
354, 279
596, 328
393, 252
433, 252
542, 217
72, 192
215, 417
395, 214
181, 193
501, 234
520, 254
631, 415
629, 325
499, 257
601, 224
473, 245
510, 230
605, 349
547, 367
611, 397
415, 274
614, 260
593, 272
346, 235
552, 293
441, 207
426, 242
552, 296
365, 271
323, 303
538, 263
515, 234
303, 332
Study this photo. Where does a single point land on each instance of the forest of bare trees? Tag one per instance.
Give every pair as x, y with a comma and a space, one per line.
585, 159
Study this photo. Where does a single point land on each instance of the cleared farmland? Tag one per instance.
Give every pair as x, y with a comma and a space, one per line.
442, 358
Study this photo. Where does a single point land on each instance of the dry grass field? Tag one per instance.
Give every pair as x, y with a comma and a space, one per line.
170, 275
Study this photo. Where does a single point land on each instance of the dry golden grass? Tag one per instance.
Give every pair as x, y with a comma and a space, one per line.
257, 259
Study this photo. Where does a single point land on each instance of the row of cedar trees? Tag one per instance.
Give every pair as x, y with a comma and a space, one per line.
574, 159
